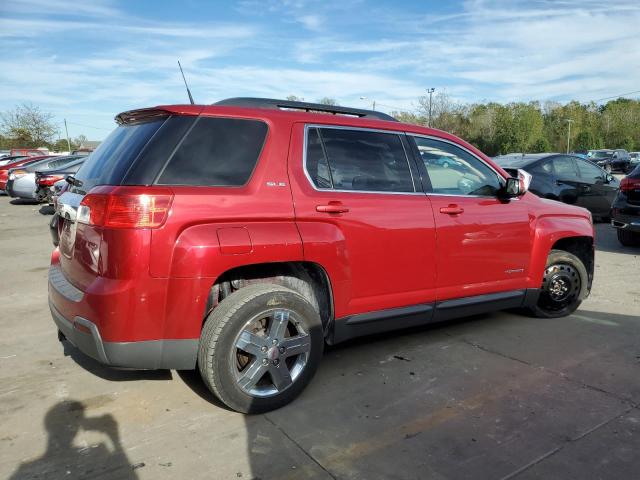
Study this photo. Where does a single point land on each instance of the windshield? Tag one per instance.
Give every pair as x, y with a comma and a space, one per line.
601, 154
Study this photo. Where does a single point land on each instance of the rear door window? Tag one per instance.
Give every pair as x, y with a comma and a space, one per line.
216, 152
359, 160
565, 168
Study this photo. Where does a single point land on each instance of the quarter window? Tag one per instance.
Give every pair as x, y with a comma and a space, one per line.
455, 171
216, 152
357, 160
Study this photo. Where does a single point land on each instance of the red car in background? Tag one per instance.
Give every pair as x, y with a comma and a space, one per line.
4, 170
28, 152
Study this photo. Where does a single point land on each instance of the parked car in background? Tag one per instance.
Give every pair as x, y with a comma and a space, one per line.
239, 237
21, 181
635, 158
45, 180
611, 160
29, 152
567, 178
19, 162
625, 211
10, 158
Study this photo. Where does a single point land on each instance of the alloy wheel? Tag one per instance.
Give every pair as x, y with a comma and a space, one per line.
271, 352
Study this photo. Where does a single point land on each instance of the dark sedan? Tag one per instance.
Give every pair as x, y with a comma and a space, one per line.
567, 178
625, 211
611, 160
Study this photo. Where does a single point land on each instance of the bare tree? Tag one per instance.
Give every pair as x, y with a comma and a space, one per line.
328, 101
28, 125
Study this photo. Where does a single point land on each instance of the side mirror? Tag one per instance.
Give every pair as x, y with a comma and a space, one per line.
518, 186
609, 178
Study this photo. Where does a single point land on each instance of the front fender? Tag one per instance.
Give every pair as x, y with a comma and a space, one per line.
549, 230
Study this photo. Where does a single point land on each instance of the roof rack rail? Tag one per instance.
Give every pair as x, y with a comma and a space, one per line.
272, 103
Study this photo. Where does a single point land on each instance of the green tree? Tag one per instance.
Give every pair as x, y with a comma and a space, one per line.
28, 126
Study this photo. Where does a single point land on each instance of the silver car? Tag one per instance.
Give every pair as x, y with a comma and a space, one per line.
21, 182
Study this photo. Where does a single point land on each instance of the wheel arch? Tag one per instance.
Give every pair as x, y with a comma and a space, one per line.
309, 279
571, 234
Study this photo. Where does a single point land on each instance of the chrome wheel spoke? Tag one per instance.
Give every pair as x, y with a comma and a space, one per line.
279, 324
296, 345
251, 343
252, 375
280, 376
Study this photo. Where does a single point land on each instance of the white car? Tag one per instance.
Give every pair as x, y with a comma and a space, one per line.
21, 182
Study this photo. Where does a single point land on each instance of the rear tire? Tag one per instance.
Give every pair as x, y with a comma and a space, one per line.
564, 286
627, 238
260, 347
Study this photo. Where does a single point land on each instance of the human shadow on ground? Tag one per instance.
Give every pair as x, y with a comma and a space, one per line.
64, 459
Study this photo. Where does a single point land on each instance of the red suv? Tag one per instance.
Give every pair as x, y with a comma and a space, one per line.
238, 238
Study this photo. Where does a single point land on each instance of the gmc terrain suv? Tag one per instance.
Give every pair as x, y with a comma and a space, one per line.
238, 238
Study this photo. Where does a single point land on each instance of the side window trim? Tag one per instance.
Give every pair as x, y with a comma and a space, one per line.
326, 157
318, 126
423, 170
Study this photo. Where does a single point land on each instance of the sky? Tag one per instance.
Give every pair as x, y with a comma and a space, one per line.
88, 61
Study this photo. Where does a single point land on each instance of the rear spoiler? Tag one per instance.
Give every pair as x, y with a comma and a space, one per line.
140, 116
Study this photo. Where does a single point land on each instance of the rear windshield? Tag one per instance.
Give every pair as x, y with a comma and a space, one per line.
216, 152
108, 164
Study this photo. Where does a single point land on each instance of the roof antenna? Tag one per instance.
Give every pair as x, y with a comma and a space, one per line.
185, 84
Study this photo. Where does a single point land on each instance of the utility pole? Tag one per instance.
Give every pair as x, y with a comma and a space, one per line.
569, 121
67, 132
374, 102
430, 92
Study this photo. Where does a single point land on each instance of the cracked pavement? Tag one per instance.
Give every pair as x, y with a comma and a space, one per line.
497, 396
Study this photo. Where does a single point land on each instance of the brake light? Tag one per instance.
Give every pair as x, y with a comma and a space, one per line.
125, 207
627, 184
49, 180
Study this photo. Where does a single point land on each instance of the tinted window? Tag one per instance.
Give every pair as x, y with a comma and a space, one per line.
216, 152
589, 171
108, 164
317, 165
564, 167
542, 167
366, 161
455, 171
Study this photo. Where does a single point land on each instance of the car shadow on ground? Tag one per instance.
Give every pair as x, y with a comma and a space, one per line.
110, 373
23, 201
47, 210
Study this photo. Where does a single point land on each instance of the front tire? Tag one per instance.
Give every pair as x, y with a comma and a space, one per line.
260, 347
564, 286
627, 238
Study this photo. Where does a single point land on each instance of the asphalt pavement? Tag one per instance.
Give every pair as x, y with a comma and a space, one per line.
495, 396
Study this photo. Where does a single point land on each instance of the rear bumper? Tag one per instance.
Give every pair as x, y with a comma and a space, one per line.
179, 354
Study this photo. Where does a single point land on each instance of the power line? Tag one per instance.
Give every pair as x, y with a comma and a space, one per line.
616, 96
89, 126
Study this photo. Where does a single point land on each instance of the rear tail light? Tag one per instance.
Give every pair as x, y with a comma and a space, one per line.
48, 180
125, 207
627, 184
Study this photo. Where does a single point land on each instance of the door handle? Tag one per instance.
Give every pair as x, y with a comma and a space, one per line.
452, 210
332, 207
585, 188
